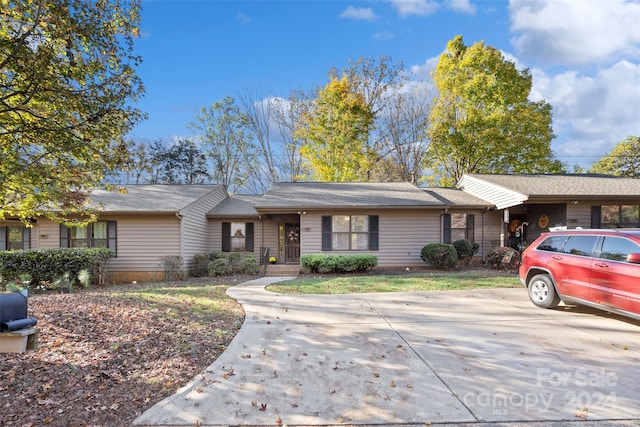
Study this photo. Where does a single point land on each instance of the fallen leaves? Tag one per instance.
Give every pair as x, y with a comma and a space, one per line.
228, 373
105, 358
262, 407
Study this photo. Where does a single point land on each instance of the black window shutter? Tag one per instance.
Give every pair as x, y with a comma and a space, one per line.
248, 242
373, 233
446, 228
3, 238
596, 216
326, 233
226, 236
26, 238
470, 227
64, 236
112, 236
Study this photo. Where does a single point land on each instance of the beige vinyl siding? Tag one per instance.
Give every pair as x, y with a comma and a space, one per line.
45, 234
402, 234
195, 226
492, 223
268, 238
579, 215
143, 240
141, 243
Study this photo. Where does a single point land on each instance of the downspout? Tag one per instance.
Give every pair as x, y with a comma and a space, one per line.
181, 239
262, 247
484, 250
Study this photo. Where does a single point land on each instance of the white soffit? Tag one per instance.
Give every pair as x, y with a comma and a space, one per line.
501, 197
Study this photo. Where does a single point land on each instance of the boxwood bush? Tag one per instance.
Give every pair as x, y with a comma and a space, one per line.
321, 263
47, 265
218, 263
220, 267
440, 255
466, 249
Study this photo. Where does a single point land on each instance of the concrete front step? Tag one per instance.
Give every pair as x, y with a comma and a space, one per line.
282, 270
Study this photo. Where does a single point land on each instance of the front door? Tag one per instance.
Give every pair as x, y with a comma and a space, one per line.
292, 243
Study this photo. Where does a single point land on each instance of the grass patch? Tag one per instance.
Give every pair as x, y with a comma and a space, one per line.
431, 281
197, 301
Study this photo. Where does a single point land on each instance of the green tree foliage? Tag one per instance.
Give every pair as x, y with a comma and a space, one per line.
184, 163
67, 86
336, 131
623, 160
482, 120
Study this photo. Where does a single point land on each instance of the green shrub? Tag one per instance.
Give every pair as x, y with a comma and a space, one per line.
249, 265
235, 258
46, 265
219, 267
64, 282
321, 263
200, 265
214, 255
312, 262
440, 255
466, 249
503, 258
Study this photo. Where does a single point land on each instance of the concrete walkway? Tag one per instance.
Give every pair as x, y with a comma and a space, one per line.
480, 357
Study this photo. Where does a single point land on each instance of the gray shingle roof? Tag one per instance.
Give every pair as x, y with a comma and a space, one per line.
569, 185
236, 205
455, 197
308, 195
150, 198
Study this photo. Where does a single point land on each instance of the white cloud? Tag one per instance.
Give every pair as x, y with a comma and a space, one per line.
423, 71
358, 13
569, 32
415, 7
591, 113
383, 35
243, 18
463, 6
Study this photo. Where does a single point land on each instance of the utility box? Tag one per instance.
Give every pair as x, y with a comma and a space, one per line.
17, 332
13, 306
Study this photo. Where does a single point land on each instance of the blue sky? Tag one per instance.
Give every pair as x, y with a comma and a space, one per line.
584, 55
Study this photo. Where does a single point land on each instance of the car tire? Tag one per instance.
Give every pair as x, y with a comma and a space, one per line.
541, 291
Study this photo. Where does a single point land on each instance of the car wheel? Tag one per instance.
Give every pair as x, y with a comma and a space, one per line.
542, 292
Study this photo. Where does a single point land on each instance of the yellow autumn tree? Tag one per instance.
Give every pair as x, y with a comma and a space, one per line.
623, 160
335, 133
482, 120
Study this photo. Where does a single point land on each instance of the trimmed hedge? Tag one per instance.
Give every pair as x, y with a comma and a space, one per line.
218, 263
466, 249
440, 255
45, 266
321, 263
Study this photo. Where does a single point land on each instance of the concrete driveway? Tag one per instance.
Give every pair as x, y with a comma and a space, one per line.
480, 357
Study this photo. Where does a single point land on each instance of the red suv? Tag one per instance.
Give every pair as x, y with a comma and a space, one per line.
599, 268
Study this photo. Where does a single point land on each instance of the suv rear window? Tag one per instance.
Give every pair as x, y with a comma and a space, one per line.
579, 245
552, 244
